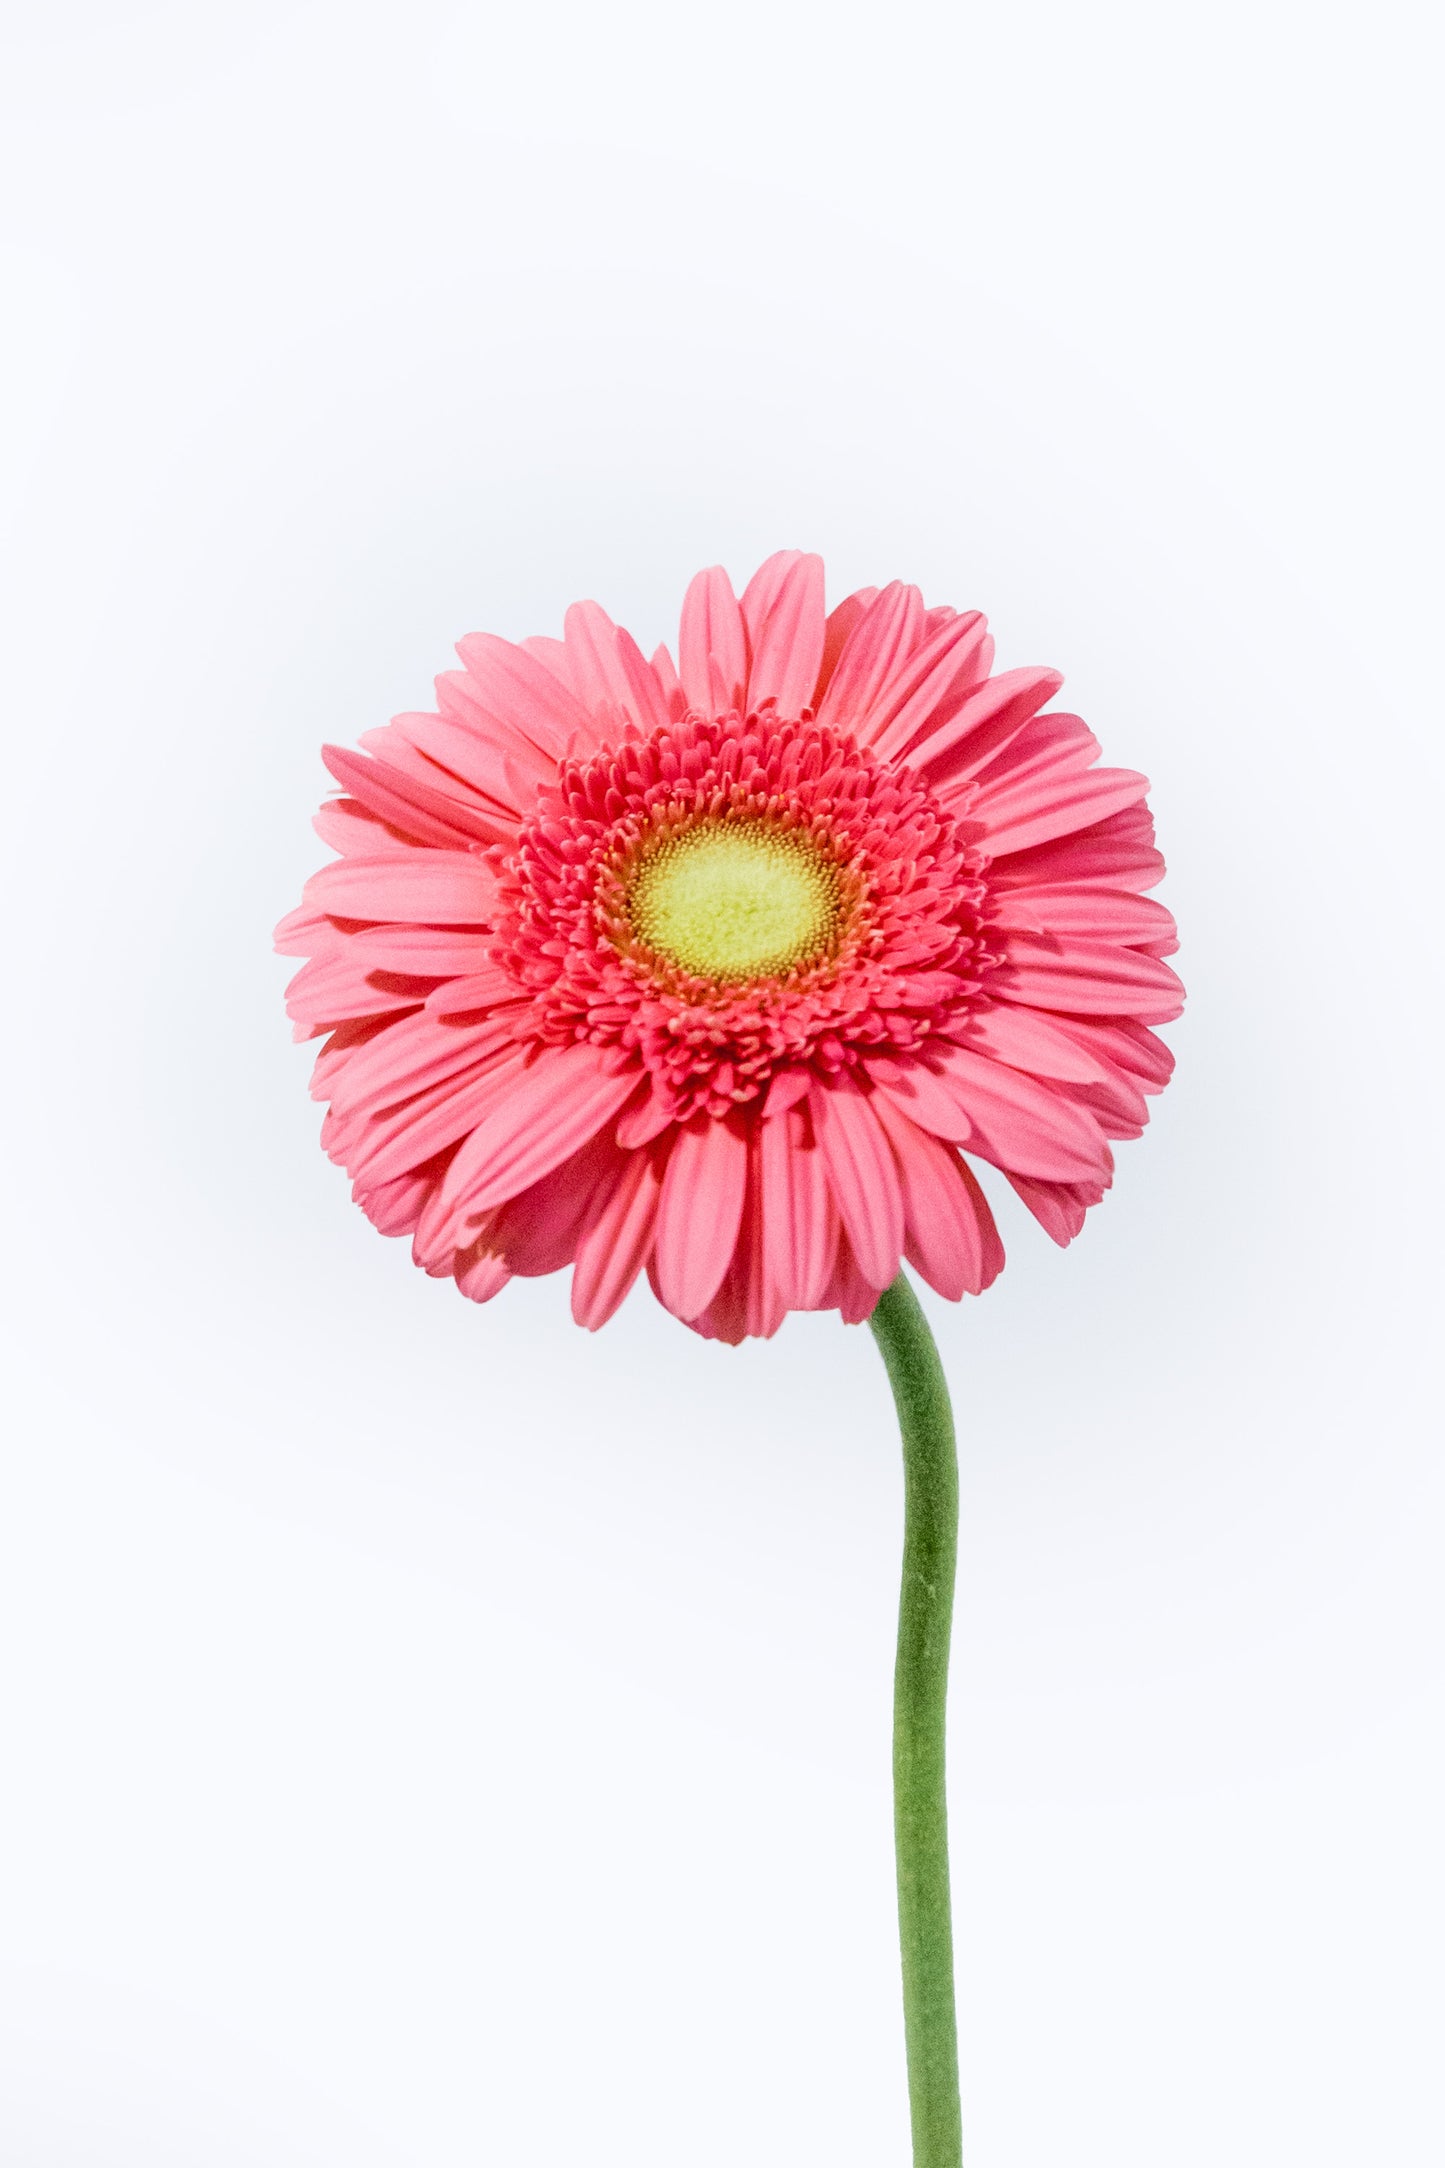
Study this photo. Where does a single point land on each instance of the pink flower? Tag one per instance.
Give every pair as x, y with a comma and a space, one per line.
720, 967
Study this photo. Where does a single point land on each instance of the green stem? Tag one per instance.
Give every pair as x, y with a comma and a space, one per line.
920, 1694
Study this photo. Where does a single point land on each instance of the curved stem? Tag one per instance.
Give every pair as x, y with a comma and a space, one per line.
920, 1693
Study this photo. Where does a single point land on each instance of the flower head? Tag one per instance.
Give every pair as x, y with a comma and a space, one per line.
724, 968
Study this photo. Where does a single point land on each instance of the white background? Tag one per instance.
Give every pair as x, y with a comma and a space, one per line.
435, 1736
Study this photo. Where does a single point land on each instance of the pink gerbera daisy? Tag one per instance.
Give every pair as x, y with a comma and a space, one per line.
723, 968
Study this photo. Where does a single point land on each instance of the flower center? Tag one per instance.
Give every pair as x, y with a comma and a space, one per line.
736, 900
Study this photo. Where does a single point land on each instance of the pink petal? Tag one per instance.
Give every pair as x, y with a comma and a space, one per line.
1089, 978
1051, 805
950, 1236
394, 1207
1027, 1040
390, 1143
863, 1176
376, 1144
1053, 744
763, 1308
394, 746
722, 698
415, 807
481, 1273
850, 1292
616, 1246
712, 630
836, 634
1128, 1045
1117, 1105
446, 887
700, 1212
1100, 914
341, 1048
461, 702
665, 672
332, 989
1059, 1207
304, 932
538, 1231
553, 656
487, 987
345, 826
608, 670
746, 1304
787, 1088
920, 1093
725, 1317
931, 685
416, 826
434, 1244
883, 637
410, 1057
649, 1114
991, 716
518, 689
1117, 852
500, 768
800, 1219
550, 1108
991, 1261
1022, 1125
782, 608
434, 952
